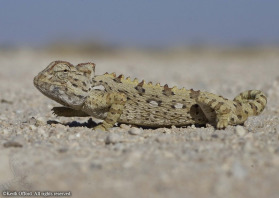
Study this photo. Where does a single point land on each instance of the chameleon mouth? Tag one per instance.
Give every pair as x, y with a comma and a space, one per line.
53, 94
58, 94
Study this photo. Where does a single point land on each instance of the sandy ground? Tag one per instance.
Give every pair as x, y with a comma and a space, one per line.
40, 152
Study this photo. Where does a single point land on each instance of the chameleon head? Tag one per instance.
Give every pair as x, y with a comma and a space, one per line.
65, 83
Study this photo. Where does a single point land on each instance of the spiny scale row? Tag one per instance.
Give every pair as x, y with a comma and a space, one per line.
165, 87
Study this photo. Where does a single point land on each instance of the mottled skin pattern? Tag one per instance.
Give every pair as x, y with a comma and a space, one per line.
120, 100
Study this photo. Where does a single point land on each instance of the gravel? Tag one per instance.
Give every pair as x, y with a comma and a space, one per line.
42, 152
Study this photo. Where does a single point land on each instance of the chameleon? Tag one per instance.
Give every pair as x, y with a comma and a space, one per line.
116, 99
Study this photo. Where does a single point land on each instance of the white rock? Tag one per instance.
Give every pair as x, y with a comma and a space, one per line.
5, 132
125, 126
240, 130
135, 131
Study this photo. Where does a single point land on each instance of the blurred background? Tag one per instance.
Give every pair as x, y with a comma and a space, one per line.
196, 44
223, 47
139, 24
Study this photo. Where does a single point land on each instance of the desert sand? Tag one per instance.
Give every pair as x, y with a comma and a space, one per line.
40, 152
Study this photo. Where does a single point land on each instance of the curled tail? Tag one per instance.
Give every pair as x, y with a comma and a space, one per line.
251, 102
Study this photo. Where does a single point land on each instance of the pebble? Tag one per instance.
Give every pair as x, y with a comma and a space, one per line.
5, 132
135, 131
32, 121
17, 141
240, 131
125, 126
32, 127
12, 144
168, 131
164, 138
36, 122
112, 139
62, 150
193, 126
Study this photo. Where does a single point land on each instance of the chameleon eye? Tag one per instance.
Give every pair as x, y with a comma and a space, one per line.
62, 67
62, 75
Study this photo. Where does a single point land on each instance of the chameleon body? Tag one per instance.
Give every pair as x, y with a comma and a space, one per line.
116, 99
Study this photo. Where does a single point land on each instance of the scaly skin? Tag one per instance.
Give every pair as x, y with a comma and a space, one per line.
120, 100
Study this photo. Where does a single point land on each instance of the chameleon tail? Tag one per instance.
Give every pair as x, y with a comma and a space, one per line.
252, 102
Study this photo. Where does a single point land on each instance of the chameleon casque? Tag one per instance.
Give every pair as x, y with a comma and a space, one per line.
122, 100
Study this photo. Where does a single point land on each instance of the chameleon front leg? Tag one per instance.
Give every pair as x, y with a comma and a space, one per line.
112, 103
68, 112
218, 110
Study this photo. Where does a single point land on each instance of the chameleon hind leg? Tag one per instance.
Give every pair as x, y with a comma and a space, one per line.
218, 110
112, 102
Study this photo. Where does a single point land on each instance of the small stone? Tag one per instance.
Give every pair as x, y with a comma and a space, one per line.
135, 131
62, 150
11, 144
95, 166
32, 127
6, 101
125, 126
18, 141
112, 139
18, 111
37, 122
214, 136
164, 138
168, 131
32, 121
240, 131
5, 132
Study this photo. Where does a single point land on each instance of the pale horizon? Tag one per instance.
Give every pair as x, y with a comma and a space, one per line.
140, 24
